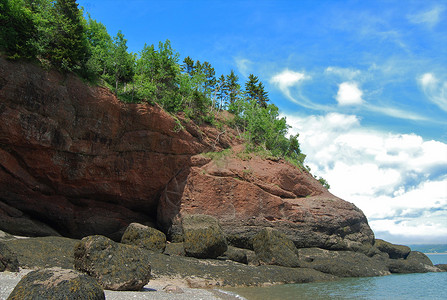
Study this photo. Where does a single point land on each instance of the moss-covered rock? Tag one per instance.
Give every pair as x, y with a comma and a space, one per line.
342, 263
203, 236
442, 267
274, 248
394, 251
8, 260
43, 252
145, 237
416, 262
116, 266
57, 283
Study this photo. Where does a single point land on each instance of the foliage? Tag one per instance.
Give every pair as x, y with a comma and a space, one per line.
324, 183
17, 29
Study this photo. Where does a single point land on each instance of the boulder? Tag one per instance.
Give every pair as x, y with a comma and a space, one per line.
274, 248
145, 237
416, 262
57, 283
116, 266
247, 194
8, 260
341, 263
394, 251
238, 255
203, 236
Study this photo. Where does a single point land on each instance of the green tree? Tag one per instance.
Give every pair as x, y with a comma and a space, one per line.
68, 46
101, 47
234, 90
17, 29
122, 61
254, 89
221, 91
188, 66
158, 76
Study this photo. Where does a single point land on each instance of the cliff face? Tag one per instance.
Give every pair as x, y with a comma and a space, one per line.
76, 161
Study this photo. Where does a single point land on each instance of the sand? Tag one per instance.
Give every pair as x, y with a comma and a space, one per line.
153, 290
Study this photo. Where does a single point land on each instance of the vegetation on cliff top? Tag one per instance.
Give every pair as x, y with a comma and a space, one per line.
55, 33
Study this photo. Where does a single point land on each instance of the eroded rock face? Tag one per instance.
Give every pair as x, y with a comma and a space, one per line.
76, 161
249, 194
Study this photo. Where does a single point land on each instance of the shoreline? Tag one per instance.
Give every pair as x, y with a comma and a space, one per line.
153, 290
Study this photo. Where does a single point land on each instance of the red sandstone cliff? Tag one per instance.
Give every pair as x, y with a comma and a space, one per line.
76, 161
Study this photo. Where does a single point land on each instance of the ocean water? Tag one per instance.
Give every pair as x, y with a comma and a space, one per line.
396, 286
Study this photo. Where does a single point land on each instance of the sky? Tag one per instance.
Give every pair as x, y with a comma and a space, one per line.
364, 83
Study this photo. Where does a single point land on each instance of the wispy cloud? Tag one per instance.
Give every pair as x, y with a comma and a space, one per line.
243, 65
289, 82
430, 17
349, 94
399, 177
396, 112
344, 73
434, 89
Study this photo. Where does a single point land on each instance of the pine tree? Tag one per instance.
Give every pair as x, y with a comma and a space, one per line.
68, 46
254, 90
221, 91
188, 66
234, 90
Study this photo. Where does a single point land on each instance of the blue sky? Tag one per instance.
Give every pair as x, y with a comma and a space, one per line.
363, 82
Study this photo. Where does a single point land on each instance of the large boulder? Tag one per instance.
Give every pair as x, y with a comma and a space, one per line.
57, 283
8, 260
342, 263
76, 161
247, 193
145, 237
203, 236
116, 266
393, 251
274, 248
416, 262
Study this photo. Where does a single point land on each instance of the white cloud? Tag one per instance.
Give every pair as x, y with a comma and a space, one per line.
434, 89
396, 179
429, 18
349, 94
287, 78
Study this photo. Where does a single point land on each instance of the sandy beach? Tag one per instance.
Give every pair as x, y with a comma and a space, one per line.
153, 290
